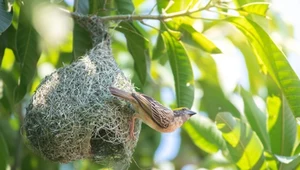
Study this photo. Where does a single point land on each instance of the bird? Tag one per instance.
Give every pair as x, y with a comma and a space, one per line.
152, 113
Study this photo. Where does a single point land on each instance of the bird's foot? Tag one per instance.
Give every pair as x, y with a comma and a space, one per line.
131, 135
131, 128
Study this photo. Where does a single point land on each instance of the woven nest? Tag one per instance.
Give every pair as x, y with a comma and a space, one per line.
72, 114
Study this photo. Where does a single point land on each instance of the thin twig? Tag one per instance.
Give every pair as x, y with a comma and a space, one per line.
152, 9
142, 22
160, 17
222, 13
208, 19
156, 17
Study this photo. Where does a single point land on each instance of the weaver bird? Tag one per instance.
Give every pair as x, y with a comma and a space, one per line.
152, 113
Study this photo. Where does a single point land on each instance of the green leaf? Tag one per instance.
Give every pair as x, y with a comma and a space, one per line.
9, 85
177, 5
125, 6
257, 8
213, 92
204, 134
288, 162
95, 6
192, 37
99, 7
82, 41
297, 150
3, 154
138, 46
256, 118
3, 44
189, 35
241, 2
271, 160
159, 49
28, 52
11, 41
161, 4
81, 7
274, 60
5, 17
244, 146
256, 79
7, 40
282, 126
182, 71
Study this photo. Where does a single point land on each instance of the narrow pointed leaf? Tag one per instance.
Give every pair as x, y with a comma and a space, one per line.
213, 92
159, 49
100, 8
257, 8
177, 5
256, 118
182, 71
204, 134
7, 101
288, 162
282, 126
274, 60
7, 40
192, 37
82, 41
81, 7
5, 17
138, 46
124, 6
189, 35
28, 52
243, 144
10, 35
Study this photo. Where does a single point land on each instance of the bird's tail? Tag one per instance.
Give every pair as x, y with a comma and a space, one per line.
122, 94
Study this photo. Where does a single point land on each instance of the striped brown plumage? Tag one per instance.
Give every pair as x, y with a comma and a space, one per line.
153, 113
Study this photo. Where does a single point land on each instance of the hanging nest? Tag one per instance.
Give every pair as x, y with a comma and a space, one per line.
72, 114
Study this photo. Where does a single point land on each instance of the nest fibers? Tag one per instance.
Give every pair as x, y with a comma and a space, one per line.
72, 114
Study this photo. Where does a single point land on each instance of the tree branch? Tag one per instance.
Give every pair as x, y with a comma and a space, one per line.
164, 16
157, 17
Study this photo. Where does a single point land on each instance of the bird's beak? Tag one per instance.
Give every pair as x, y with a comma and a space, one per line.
189, 112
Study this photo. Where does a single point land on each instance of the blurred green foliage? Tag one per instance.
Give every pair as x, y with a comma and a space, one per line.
250, 125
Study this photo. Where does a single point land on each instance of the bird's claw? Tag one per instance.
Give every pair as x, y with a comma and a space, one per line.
131, 136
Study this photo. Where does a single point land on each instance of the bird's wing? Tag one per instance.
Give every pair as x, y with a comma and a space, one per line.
160, 114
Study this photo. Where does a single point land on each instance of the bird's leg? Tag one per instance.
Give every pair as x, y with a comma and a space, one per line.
131, 127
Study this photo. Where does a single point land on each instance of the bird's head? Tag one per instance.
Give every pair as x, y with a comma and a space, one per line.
183, 111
